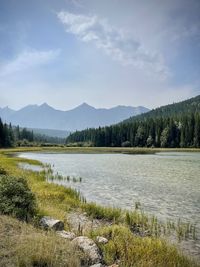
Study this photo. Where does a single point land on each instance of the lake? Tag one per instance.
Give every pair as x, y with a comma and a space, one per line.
166, 184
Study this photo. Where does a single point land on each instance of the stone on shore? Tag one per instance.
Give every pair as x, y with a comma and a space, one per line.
66, 235
98, 265
50, 223
102, 240
89, 247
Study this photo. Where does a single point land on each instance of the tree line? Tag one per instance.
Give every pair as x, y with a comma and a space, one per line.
15, 136
164, 131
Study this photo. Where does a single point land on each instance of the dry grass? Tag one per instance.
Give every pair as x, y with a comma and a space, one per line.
23, 245
128, 150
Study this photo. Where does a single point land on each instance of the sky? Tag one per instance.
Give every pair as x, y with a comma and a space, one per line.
102, 52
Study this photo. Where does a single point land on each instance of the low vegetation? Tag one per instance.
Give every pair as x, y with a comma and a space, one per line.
16, 198
23, 245
134, 238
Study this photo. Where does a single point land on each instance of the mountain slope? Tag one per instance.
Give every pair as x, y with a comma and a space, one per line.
191, 105
176, 125
81, 117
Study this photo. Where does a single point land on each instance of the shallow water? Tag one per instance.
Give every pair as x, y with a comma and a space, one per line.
167, 184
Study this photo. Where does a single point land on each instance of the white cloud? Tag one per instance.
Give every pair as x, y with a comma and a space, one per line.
114, 42
28, 59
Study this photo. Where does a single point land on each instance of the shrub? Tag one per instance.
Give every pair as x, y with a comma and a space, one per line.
16, 199
126, 144
2, 171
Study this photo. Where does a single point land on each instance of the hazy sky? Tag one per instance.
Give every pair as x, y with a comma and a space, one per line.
103, 52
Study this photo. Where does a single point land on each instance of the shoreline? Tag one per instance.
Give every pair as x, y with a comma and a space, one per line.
56, 192
96, 150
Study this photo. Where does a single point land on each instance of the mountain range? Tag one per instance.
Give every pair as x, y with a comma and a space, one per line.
175, 125
82, 117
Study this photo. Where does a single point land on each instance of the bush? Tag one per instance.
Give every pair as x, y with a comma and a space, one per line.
2, 171
16, 199
126, 144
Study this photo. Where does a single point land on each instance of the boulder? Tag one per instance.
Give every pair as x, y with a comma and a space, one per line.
49, 223
97, 265
102, 240
89, 247
81, 224
66, 235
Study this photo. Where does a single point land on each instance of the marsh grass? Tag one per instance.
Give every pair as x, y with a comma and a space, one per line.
100, 212
131, 250
66, 149
50, 176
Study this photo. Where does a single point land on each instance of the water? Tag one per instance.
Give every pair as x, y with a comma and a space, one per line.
167, 184
32, 167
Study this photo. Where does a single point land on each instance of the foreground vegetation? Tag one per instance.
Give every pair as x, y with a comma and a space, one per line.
25, 245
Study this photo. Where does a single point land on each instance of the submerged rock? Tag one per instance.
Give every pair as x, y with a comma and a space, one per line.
89, 247
49, 223
66, 235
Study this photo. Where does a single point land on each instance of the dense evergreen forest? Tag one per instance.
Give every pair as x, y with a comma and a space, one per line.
15, 136
176, 125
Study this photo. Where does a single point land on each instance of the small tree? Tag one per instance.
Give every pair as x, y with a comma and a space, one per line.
16, 199
126, 144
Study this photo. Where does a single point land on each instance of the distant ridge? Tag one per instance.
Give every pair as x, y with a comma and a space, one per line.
81, 117
190, 105
176, 125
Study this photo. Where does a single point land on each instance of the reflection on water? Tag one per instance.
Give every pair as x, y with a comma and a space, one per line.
167, 184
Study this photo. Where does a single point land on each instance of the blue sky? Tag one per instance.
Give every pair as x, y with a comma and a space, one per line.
103, 52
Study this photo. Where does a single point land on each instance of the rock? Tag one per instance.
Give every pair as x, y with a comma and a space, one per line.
102, 240
66, 235
50, 223
97, 265
114, 265
81, 224
88, 246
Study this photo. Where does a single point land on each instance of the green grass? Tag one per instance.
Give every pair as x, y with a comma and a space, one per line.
135, 251
56, 201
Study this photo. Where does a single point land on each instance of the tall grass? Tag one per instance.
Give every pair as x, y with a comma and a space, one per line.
130, 250
23, 245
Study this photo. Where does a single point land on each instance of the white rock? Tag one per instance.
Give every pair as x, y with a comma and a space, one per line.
88, 246
102, 240
97, 265
50, 223
66, 235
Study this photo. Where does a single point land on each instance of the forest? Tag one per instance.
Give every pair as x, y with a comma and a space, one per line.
11, 136
176, 125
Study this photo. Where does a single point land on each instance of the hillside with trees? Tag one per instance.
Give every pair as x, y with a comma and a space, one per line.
11, 136
175, 125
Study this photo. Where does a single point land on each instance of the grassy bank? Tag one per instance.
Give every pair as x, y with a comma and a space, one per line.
125, 150
22, 244
57, 201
